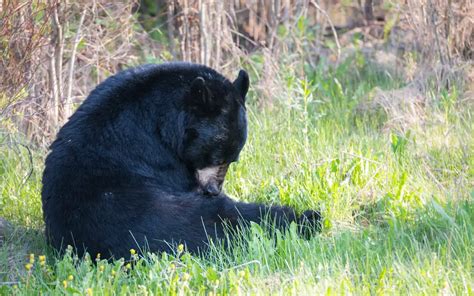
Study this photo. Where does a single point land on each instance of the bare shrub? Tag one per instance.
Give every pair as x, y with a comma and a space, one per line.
444, 29
24, 33
202, 32
442, 33
53, 53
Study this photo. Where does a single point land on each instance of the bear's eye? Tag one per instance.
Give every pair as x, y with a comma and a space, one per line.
219, 162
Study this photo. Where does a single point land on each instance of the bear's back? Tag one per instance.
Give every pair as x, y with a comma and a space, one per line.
110, 140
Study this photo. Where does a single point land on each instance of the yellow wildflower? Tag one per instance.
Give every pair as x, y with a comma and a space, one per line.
133, 252
65, 284
28, 266
70, 277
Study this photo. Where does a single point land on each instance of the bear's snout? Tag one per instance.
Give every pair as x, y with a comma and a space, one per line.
213, 189
211, 179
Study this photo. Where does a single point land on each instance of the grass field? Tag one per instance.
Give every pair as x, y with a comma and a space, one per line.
398, 204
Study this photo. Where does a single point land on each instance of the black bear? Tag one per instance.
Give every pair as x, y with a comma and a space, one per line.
142, 161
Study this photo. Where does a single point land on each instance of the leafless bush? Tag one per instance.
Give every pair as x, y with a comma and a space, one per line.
443, 29
204, 33
53, 53
24, 33
442, 33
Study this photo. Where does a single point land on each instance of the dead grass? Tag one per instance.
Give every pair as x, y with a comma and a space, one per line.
405, 107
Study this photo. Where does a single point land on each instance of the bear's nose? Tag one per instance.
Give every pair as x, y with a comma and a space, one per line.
212, 189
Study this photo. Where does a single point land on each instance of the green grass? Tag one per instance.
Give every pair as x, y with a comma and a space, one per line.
398, 205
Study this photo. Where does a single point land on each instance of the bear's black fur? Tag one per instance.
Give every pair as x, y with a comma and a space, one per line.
142, 161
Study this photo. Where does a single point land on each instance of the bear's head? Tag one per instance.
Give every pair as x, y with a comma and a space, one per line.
216, 130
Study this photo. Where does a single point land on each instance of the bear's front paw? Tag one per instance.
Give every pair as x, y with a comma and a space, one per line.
309, 223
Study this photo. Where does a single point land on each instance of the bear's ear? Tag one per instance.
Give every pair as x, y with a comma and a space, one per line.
241, 84
199, 96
